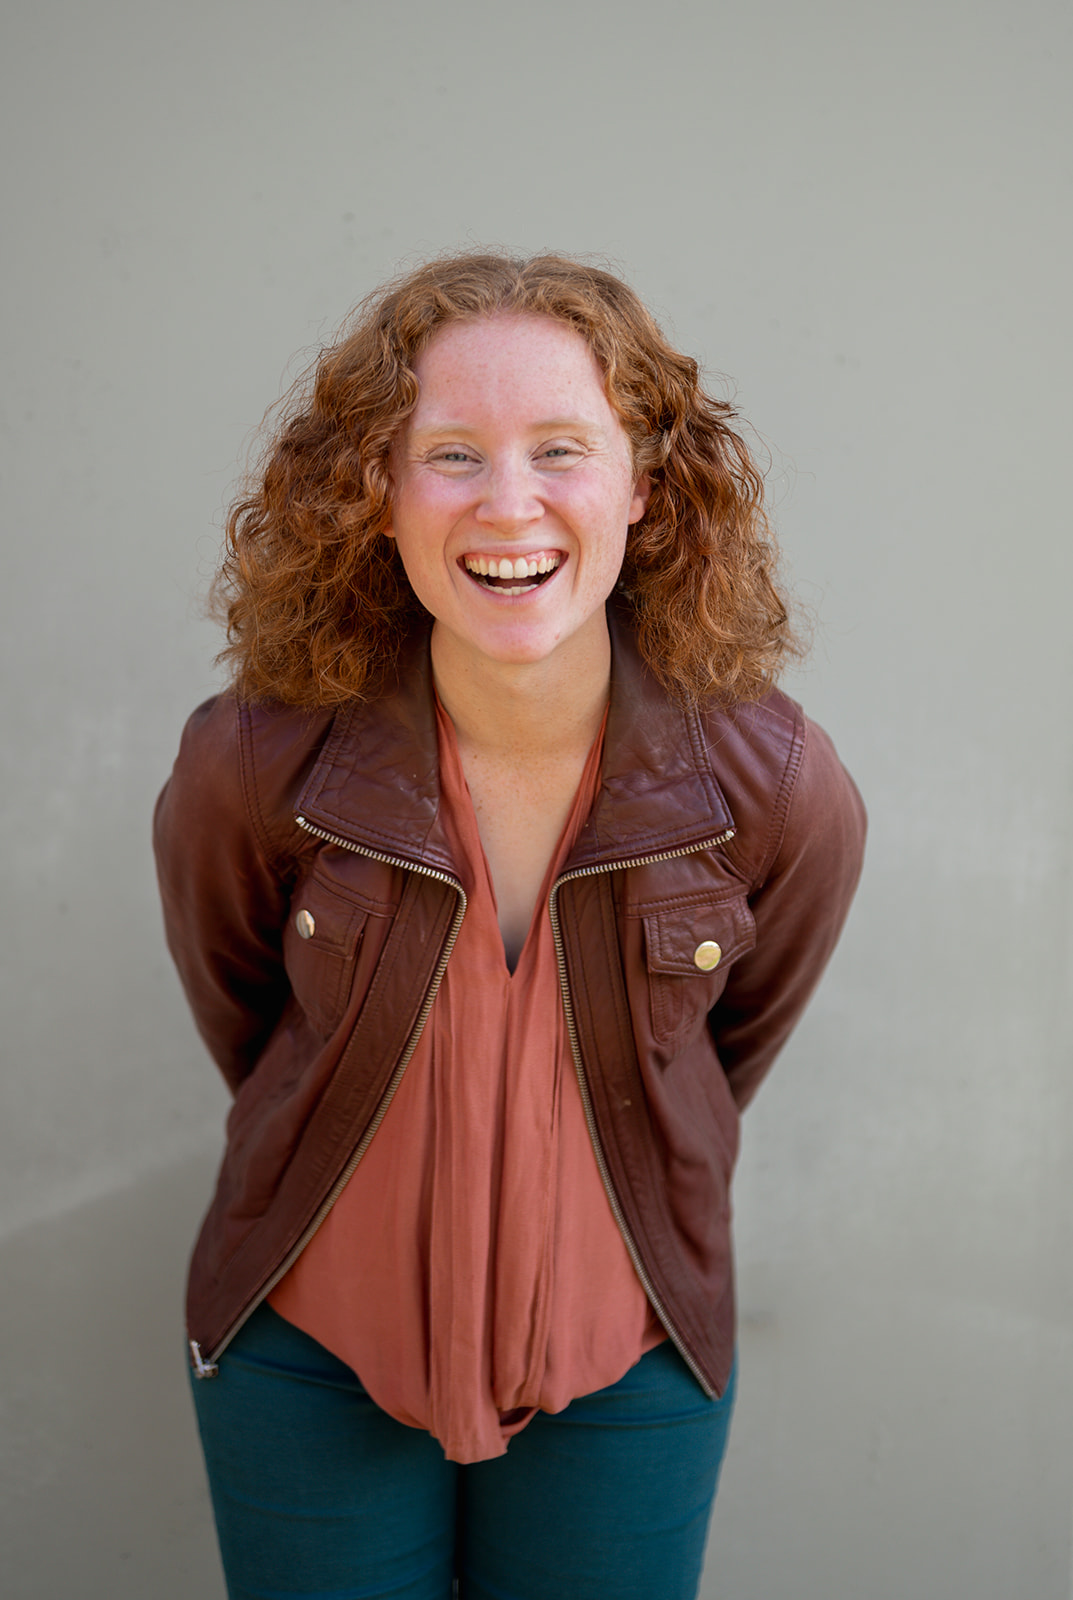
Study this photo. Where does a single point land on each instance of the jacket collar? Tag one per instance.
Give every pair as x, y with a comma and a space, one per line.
376, 783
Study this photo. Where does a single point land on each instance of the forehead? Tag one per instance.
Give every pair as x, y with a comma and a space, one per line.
511, 359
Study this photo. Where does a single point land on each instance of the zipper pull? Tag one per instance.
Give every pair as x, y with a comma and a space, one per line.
202, 1368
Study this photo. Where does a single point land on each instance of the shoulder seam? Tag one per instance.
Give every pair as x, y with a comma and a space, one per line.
781, 809
248, 776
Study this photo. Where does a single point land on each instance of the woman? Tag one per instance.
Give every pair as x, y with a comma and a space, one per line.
495, 885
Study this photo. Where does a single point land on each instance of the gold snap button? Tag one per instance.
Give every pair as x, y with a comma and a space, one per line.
707, 955
307, 927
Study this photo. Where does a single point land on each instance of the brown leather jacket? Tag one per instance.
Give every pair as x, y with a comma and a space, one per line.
311, 905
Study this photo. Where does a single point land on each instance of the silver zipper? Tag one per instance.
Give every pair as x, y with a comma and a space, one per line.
208, 1368
586, 1098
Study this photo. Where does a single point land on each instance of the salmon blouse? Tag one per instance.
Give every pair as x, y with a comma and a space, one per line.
471, 1272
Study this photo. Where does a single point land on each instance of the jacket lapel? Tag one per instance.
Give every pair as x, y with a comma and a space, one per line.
377, 783
658, 791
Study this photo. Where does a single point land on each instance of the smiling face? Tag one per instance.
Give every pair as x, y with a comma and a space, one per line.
513, 492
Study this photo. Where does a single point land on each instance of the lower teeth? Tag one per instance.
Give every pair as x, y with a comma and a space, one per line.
511, 585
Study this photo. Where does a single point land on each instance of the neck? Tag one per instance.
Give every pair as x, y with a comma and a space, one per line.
531, 710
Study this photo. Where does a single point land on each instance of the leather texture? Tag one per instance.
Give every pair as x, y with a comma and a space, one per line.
309, 1018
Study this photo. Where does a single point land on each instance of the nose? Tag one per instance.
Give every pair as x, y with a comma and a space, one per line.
509, 502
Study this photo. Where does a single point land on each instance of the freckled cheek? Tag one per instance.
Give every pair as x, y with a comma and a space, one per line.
600, 516
423, 520
441, 503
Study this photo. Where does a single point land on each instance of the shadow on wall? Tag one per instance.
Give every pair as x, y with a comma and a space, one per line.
101, 1483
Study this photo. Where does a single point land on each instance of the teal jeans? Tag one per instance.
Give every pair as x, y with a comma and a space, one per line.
320, 1495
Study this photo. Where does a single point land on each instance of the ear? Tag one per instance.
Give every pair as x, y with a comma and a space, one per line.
639, 504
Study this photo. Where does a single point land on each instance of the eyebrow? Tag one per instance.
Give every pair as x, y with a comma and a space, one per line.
545, 425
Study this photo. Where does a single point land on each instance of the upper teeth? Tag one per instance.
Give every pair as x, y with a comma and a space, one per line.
522, 567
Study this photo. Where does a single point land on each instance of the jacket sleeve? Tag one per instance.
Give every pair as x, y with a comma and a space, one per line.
799, 908
224, 902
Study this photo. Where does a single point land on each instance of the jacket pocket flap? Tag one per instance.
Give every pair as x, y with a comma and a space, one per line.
322, 919
321, 941
687, 940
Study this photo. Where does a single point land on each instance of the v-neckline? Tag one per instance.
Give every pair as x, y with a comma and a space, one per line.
460, 823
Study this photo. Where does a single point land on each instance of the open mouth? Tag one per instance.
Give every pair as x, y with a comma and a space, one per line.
513, 575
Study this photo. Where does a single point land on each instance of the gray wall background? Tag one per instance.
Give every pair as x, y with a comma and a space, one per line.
860, 215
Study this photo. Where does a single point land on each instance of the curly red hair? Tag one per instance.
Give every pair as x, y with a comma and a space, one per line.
316, 601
